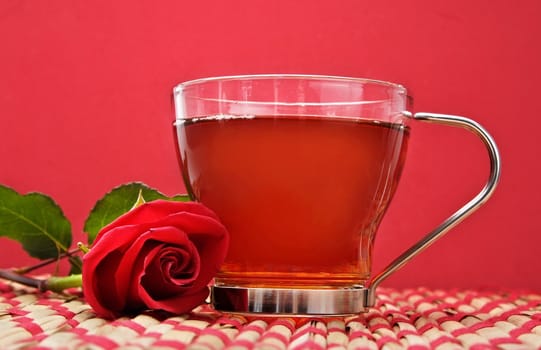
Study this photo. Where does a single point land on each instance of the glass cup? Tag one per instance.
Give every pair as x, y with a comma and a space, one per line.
301, 169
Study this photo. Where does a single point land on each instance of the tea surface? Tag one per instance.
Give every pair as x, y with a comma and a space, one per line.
301, 196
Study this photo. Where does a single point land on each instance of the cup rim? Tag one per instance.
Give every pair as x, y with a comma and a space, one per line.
181, 86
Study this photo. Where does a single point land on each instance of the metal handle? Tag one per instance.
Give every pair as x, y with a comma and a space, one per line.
460, 214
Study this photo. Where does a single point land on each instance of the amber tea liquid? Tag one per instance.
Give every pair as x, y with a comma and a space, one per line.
301, 196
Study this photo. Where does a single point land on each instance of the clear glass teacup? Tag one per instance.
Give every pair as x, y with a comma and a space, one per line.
301, 169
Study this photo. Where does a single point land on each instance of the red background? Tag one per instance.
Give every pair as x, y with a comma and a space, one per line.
85, 98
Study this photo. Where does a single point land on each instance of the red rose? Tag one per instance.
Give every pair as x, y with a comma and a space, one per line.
160, 255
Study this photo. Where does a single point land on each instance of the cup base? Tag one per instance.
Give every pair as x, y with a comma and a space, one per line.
290, 302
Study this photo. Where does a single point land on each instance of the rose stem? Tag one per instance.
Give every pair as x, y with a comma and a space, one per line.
27, 281
58, 284
55, 284
25, 270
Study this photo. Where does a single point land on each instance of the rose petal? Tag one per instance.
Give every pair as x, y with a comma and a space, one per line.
209, 237
161, 254
178, 304
167, 235
178, 266
176, 247
156, 290
102, 303
149, 248
156, 210
145, 251
159, 290
100, 267
159, 284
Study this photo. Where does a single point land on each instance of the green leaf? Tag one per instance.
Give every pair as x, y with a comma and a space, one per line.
35, 221
139, 201
119, 201
180, 198
76, 264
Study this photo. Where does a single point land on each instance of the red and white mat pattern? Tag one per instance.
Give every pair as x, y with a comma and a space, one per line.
402, 319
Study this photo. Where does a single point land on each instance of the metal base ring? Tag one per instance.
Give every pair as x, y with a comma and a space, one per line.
291, 302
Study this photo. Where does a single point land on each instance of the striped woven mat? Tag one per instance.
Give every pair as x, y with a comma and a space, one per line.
402, 319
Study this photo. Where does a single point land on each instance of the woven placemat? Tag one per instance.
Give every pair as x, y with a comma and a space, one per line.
402, 319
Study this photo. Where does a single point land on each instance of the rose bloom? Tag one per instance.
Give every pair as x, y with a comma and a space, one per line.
160, 255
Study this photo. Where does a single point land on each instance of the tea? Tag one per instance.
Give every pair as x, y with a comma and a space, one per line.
301, 196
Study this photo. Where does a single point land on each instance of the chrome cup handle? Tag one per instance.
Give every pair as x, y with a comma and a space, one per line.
459, 215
